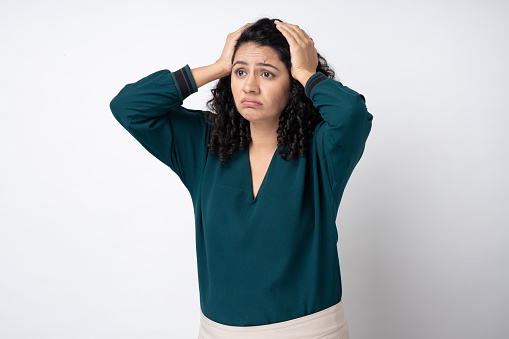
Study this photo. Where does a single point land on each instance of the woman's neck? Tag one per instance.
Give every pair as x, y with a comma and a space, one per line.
264, 138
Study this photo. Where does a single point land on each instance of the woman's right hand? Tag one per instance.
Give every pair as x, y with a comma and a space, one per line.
225, 61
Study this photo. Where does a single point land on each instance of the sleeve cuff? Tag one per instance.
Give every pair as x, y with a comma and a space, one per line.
184, 82
314, 80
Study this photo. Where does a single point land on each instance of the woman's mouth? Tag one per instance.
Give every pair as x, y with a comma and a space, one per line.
250, 102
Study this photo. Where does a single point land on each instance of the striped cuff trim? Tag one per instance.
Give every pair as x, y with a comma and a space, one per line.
184, 82
314, 80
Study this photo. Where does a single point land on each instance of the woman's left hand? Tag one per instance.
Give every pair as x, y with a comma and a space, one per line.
303, 53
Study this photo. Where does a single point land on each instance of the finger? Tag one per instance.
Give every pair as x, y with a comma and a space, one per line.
306, 35
287, 34
234, 36
299, 34
241, 29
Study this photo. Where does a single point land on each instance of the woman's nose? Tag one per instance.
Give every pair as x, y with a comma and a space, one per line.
251, 83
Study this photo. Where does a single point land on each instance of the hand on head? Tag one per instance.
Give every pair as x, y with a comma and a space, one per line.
304, 56
231, 40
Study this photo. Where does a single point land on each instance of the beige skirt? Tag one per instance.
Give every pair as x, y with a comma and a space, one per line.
326, 324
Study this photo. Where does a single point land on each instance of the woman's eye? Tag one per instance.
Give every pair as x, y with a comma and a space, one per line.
269, 74
237, 71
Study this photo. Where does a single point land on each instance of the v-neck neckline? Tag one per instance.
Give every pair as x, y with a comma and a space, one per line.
255, 199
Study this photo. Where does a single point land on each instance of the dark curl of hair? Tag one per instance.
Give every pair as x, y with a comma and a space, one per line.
230, 131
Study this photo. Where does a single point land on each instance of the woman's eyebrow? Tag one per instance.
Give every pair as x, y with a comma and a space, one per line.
258, 64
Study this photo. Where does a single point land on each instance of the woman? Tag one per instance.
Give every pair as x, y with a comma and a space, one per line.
266, 170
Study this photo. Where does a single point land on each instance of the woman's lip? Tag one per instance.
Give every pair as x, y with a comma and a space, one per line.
250, 101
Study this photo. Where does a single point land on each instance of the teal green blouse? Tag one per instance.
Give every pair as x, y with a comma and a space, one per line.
272, 258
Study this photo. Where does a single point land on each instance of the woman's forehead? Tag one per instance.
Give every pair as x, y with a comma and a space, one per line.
252, 53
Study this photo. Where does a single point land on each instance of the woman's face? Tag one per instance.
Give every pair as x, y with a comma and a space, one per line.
258, 74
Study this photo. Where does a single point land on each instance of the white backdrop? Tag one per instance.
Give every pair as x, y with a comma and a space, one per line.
97, 235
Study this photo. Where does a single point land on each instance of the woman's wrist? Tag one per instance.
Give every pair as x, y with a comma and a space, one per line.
205, 74
304, 77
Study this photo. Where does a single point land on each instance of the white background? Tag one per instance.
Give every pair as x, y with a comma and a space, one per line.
97, 235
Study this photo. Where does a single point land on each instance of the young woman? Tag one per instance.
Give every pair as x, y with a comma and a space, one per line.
266, 169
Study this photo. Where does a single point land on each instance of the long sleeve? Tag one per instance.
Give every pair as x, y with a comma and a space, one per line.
151, 111
343, 134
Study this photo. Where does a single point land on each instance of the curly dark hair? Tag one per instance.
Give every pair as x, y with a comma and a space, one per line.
230, 131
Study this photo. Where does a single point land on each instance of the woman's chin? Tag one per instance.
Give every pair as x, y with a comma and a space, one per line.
249, 114
257, 115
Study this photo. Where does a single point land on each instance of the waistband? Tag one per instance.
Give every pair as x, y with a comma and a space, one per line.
330, 321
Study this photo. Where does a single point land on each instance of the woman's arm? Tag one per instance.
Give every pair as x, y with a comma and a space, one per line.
205, 74
153, 95
151, 110
347, 120
347, 123
343, 109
